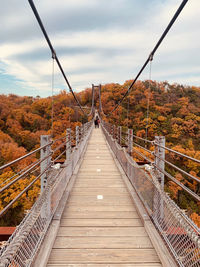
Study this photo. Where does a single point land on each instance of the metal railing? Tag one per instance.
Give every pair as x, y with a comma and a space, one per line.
153, 155
179, 232
22, 246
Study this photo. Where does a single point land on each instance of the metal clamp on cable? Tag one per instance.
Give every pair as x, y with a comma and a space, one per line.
151, 56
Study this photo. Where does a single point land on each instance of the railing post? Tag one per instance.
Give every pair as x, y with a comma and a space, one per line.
44, 139
159, 158
45, 152
68, 144
160, 167
77, 135
82, 132
84, 129
119, 131
130, 141
114, 131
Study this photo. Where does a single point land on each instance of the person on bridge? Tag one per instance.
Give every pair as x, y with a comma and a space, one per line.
96, 122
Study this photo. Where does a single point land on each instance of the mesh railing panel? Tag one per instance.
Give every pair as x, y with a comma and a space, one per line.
180, 234
22, 246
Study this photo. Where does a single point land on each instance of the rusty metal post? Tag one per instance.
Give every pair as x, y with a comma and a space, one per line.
68, 144
44, 139
130, 141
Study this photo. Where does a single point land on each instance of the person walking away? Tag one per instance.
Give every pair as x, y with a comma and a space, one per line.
96, 123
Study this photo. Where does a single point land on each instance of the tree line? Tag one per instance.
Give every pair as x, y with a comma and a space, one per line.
174, 111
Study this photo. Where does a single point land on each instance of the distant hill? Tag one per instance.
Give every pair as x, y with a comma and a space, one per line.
174, 111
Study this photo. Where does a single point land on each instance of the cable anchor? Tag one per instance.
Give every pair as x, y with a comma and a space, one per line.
151, 57
53, 54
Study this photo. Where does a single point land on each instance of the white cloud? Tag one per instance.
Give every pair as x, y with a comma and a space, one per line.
110, 53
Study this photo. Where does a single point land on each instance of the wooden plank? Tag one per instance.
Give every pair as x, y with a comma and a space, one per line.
95, 193
102, 231
112, 175
99, 190
103, 255
92, 183
105, 265
104, 170
91, 156
100, 214
100, 176
111, 178
98, 160
99, 208
108, 169
101, 222
100, 179
102, 242
98, 147
100, 164
105, 198
95, 201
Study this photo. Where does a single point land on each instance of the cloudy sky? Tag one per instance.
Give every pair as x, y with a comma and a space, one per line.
97, 41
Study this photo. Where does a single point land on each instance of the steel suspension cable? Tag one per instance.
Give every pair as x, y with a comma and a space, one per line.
100, 103
148, 100
53, 51
92, 108
152, 53
52, 97
128, 107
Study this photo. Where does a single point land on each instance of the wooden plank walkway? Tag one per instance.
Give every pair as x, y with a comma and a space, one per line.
100, 225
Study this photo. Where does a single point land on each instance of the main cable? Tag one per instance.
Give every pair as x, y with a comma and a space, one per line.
150, 58
148, 100
53, 51
52, 97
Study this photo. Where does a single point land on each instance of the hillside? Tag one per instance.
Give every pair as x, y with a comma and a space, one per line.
22, 121
174, 111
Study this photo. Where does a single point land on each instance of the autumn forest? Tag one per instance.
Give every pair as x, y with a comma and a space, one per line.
174, 112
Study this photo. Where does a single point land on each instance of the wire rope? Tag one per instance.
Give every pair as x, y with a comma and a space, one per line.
53, 52
52, 96
177, 13
128, 106
148, 100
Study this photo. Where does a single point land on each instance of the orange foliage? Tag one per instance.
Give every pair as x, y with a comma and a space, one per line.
196, 218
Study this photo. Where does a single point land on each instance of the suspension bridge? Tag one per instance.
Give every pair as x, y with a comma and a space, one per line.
97, 206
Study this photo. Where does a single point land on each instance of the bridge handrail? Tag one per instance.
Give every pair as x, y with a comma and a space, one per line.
24, 243
164, 147
140, 138
180, 170
178, 153
58, 139
28, 169
22, 192
23, 174
196, 196
144, 148
180, 233
186, 189
18, 173
25, 156
143, 139
59, 146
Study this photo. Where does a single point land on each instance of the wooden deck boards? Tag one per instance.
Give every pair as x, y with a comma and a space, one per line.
100, 225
